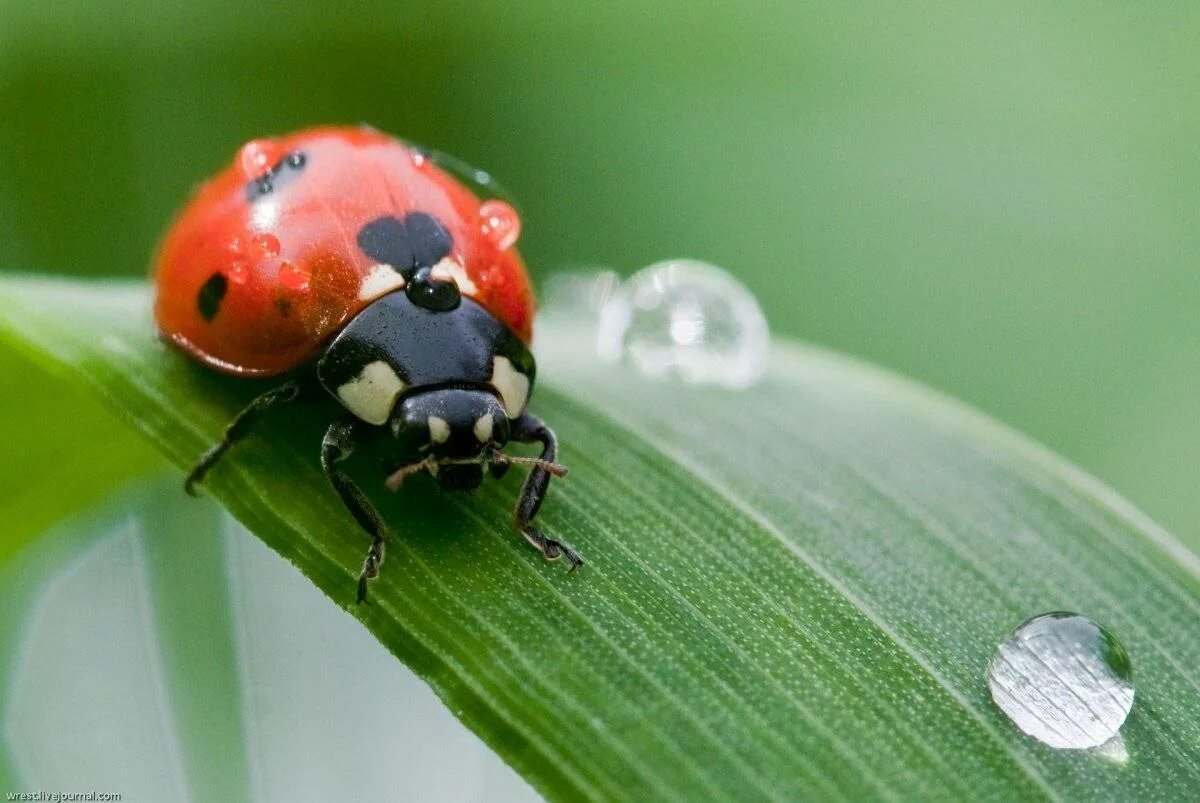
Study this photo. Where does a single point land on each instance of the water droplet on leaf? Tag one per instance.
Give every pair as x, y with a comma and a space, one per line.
1064, 680
578, 296
686, 318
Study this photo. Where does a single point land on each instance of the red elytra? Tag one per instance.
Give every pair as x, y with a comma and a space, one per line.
263, 266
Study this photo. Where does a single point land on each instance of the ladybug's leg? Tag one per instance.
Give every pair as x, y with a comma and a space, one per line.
336, 447
531, 429
238, 428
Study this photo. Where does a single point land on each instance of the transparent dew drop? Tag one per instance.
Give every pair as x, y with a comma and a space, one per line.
578, 296
573, 300
294, 277
267, 244
237, 271
257, 156
499, 223
1064, 680
689, 319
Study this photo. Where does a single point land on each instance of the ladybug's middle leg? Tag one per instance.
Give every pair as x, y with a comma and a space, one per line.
238, 429
530, 429
336, 447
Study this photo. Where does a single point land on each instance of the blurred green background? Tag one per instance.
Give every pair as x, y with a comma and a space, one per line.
999, 200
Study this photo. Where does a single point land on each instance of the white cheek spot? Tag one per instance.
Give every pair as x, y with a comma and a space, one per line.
439, 430
450, 270
372, 394
483, 428
379, 280
512, 385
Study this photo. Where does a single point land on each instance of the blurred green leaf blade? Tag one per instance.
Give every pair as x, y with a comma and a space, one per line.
792, 590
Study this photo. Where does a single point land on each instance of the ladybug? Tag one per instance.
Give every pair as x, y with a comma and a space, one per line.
344, 259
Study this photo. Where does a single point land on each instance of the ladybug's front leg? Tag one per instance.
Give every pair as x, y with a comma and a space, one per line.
531, 429
336, 447
238, 428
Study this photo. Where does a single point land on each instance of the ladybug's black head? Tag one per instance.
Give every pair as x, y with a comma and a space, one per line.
457, 428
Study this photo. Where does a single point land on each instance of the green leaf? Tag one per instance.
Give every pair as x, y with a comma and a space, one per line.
58, 472
790, 591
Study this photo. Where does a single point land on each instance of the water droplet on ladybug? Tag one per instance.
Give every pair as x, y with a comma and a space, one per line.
419, 157
499, 223
236, 246
294, 277
257, 156
238, 272
267, 243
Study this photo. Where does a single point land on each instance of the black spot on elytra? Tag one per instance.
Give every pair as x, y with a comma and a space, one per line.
208, 301
281, 173
417, 241
284, 307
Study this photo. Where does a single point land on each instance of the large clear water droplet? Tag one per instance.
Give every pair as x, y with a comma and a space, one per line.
686, 318
1064, 680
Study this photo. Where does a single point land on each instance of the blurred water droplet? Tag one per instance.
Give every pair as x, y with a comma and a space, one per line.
687, 318
1064, 680
257, 156
267, 243
578, 296
294, 277
499, 223
572, 301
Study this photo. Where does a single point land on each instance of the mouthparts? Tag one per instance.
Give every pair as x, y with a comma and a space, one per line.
434, 465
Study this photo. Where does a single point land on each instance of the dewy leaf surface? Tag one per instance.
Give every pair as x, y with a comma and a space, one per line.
790, 591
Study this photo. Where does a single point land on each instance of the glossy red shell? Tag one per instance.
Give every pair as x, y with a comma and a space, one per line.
288, 267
